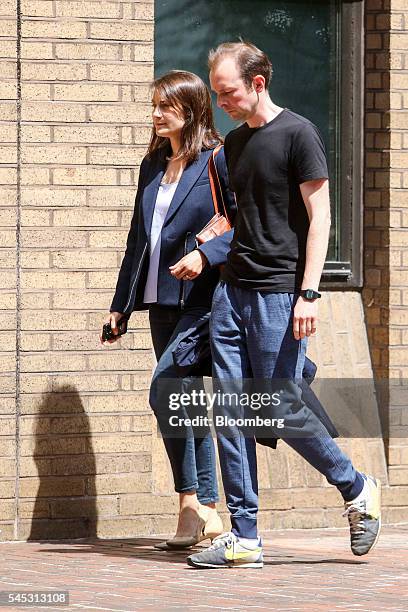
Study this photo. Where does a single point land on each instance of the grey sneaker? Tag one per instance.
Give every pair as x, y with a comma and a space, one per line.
364, 517
228, 551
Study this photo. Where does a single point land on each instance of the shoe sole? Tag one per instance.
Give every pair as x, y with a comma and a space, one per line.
193, 542
166, 547
227, 566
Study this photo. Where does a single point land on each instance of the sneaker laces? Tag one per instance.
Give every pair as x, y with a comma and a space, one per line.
225, 539
356, 512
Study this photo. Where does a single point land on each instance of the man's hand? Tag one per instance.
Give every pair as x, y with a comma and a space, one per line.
305, 318
113, 319
189, 266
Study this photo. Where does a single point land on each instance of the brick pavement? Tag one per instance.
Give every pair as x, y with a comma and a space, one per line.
305, 570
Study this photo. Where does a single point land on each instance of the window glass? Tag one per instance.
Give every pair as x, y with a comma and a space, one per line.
301, 38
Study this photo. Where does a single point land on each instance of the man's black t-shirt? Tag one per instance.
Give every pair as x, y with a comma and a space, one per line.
266, 165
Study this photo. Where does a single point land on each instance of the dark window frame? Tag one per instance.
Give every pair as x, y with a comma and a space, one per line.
348, 272
345, 270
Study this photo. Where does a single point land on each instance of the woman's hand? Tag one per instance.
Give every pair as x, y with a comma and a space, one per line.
113, 319
189, 266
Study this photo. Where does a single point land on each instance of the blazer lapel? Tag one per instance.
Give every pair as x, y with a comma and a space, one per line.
150, 194
188, 178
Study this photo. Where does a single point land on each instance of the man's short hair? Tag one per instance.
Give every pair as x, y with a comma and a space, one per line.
249, 59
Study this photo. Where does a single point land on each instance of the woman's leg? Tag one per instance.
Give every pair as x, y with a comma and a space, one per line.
192, 458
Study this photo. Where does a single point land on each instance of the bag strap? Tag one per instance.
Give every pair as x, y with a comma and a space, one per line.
215, 179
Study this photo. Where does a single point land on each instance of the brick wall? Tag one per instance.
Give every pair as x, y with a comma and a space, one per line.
8, 276
398, 283
377, 184
84, 429
386, 221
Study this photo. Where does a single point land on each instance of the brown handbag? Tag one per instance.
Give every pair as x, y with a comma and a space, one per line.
219, 223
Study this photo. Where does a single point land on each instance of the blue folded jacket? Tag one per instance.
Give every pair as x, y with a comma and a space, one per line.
192, 357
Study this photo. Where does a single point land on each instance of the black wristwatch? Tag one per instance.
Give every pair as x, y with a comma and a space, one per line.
309, 294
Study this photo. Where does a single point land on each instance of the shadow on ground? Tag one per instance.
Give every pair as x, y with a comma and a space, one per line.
143, 548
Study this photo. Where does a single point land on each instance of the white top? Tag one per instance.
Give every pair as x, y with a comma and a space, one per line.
163, 201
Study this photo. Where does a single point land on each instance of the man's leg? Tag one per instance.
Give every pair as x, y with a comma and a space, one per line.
274, 352
237, 451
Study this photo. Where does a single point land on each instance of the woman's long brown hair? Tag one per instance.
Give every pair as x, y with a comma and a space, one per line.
185, 90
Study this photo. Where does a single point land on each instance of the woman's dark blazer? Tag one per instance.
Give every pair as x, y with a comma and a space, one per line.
190, 209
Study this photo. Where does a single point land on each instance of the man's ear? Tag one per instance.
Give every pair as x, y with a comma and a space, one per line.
258, 83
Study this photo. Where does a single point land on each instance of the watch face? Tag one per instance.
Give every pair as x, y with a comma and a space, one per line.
310, 294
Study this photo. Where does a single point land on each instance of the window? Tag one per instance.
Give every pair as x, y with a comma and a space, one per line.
315, 48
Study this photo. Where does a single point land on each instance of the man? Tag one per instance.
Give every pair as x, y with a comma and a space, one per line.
266, 304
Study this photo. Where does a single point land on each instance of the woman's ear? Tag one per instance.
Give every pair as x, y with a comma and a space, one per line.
188, 116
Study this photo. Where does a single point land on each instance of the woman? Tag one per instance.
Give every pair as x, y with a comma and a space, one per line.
164, 272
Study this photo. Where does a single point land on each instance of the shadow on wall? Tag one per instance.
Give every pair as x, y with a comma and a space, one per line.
65, 505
